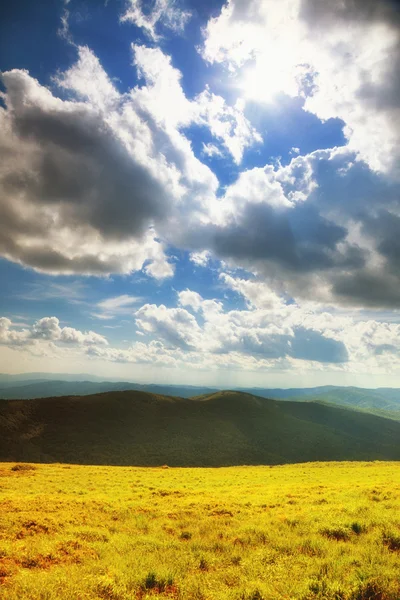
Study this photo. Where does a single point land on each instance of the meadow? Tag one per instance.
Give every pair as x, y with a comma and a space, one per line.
295, 532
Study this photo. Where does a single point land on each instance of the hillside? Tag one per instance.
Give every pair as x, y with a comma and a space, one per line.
384, 402
379, 399
224, 428
46, 388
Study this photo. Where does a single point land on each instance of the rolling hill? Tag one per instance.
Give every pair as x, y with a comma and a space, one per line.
223, 428
384, 402
47, 388
380, 401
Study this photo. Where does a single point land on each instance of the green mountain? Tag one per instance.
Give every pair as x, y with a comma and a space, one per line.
224, 428
43, 388
382, 401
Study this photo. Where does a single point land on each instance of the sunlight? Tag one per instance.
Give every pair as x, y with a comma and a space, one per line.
273, 73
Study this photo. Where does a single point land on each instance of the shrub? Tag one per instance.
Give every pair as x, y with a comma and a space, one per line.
358, 528
158, 584
324, 589
392, 541
203, 565
150, 581
23, 467
372, 590
336, 533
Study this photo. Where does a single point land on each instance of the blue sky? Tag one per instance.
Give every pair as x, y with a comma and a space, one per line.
201, 192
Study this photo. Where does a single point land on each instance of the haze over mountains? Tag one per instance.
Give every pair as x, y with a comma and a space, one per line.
381, 401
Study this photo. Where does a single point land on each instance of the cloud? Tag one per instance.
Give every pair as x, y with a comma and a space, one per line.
176, 326
256, 293
47, 330
342, 58
10, 337
191, 299
253, 332
76, 200
104, 182
164, 97
227, 123
162, 14
211, 150
202, 334
84, 181
87, 183
116, 306
324, 228
73, 292
200, 259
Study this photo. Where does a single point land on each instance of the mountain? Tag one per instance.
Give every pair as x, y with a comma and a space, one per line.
382, 401
43, 388
223, 428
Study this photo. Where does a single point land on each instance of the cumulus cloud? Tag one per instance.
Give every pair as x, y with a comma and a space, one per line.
47, 329
341, 57
191, 299
325, 227
164, 97
247, 332
256, 293
75, 198
268, 335
176, 326
87, 182
104, 182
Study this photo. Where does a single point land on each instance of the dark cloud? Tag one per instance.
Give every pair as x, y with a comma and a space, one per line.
305, 344
298, 239
325, 12
368, 287
81, 166
311, 345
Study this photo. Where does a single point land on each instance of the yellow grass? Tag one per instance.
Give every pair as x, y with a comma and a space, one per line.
328, 531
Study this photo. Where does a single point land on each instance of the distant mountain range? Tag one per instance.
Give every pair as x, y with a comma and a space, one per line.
222, 428
381, 401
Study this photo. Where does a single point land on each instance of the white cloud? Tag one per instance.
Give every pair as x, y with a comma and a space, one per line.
256, 293
200, 259
165, 99
47, 331
191, 299
116, 306
211, 150
268, 336
176, 326
342, 57
226, 123
164, 13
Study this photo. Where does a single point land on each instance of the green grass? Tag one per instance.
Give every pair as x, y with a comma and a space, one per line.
311, 531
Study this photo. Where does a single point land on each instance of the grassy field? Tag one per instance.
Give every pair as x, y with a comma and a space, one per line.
308, 531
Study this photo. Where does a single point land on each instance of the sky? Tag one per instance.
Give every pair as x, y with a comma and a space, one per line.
201, 192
